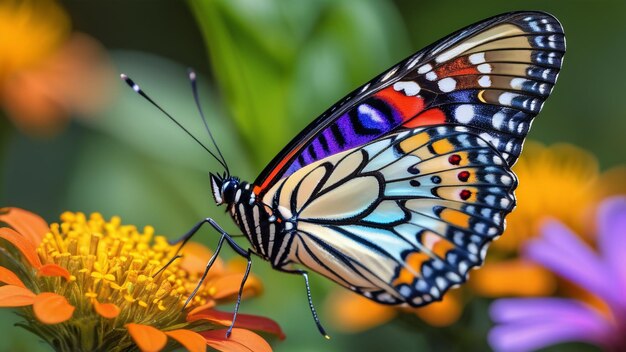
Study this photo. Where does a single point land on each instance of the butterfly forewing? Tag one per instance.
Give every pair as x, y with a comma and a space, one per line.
493, 76
400, 219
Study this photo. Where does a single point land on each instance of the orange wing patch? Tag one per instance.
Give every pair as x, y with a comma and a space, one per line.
455, 217
413, 260
436, 244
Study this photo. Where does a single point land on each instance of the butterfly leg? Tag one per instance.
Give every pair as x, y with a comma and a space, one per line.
305, 275
187, 236
184, 239
243, 282
206, 270
242, 252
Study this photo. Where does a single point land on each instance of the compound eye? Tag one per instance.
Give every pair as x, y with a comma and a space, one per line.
228, 192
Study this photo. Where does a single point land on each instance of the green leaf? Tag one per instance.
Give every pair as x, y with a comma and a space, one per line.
280, 63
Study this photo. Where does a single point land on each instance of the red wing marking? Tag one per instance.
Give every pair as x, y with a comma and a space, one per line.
406, 106
429, 117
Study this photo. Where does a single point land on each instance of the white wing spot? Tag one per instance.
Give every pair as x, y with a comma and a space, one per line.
484, 68
431, 76
488, 138
464, 113
447, 84
506, 98
441, 283
484, 81
410, 88
434, 291
497, 120
477, 59
424, 68
367, 110
463, 267
517, 83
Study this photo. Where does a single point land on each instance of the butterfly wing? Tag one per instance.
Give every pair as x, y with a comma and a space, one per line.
401, 219
493, 76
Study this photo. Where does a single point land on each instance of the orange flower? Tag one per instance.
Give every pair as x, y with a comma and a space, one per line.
47, 72
94, 283
354, 313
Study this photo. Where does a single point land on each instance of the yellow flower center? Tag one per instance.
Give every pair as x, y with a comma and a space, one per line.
114, 263
558, 181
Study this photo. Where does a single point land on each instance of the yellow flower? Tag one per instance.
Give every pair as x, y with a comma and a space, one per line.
95, 285
46, 71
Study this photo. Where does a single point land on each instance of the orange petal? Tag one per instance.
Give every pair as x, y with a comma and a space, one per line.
210, 304
239, 341
8, 277
32, 103
15, 296
355, 313
191, 340
107, 310
22, 244
29, 225
244, 321
147, 338
196, 256
512, 278
237, 265
227, 286
443, 313
51, 308
53, 270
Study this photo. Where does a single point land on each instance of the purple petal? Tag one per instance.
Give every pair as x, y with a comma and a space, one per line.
612, 238
530, 324
561, 251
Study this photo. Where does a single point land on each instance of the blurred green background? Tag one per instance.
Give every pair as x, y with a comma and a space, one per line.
266, 69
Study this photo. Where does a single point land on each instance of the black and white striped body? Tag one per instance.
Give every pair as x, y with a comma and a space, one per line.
267, 231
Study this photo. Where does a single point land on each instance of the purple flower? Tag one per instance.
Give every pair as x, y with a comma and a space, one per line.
532, 323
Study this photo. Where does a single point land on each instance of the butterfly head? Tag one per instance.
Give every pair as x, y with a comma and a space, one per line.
224, 188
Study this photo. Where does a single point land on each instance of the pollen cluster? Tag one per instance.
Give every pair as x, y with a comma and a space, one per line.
114, 263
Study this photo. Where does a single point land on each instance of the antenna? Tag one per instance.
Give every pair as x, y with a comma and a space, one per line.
194, 88
139, 91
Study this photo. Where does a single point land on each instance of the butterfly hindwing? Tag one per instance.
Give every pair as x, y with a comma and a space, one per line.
400, 219
493, 76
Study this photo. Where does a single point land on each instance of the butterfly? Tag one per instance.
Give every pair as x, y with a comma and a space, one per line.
396, 191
